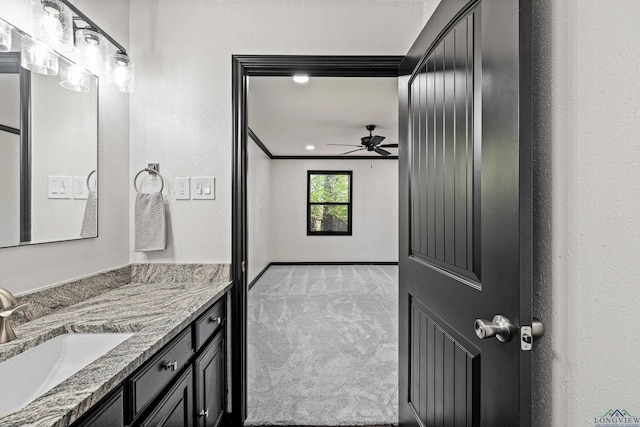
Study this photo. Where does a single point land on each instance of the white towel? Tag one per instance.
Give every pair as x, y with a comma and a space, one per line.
151, 228
90, 219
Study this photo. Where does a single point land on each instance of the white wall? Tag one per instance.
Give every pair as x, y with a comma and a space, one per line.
30, 267
375, 213
588, 220
181, 110
258, 210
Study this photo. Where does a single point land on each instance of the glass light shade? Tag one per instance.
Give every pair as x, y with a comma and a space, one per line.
5, 37
92, 49
122, 73
52, 24
38, 57
75, 78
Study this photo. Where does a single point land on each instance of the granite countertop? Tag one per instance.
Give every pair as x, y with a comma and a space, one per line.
154, 312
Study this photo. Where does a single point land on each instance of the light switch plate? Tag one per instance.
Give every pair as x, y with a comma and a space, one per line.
80, 187
182, 188
203, 188
60, 187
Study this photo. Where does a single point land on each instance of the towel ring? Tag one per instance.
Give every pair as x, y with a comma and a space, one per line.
88, 178
151, 171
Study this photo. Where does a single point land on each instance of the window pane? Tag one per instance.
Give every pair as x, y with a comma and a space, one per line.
329, 188
332, 218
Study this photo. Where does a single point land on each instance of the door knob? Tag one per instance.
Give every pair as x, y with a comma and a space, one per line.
500, 327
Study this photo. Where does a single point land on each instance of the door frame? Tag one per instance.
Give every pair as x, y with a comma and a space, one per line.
244, 66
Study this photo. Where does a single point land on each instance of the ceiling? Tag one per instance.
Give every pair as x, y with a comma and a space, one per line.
287, 116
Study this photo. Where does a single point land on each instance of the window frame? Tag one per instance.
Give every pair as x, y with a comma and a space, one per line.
349, 204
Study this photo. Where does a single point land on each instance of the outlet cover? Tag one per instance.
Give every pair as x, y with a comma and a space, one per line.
80, 187
182, 188
60, 187
203, 188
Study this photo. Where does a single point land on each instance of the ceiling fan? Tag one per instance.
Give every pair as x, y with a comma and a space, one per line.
370, 143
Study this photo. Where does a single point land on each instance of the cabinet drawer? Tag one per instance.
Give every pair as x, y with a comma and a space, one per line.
145, 384
210, 322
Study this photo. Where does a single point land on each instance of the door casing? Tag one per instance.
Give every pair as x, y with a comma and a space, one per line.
244, 66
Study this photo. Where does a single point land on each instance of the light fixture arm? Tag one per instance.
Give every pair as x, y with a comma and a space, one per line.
92, 24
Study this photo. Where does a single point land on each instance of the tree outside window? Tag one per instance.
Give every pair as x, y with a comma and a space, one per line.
329, 203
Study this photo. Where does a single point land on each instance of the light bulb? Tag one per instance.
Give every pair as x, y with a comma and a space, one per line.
52, 24
75, 78
301, 78
122, 73
38, 58
5, 37
92, 47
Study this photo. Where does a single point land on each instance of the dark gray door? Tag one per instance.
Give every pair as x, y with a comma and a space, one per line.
465, 209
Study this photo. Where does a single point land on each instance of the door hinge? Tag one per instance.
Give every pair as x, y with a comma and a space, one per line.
242, 266
530, 333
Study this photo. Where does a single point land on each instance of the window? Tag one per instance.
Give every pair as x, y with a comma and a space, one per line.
329, 203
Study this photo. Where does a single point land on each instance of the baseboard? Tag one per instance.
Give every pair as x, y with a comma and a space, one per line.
253, 282
335, 263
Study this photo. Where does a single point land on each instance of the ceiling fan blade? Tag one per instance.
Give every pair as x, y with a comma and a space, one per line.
346, 145
353, 151
389, 145
381, 151
375, 140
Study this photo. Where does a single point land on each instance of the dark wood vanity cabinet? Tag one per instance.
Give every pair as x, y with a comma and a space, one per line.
183, 384
210, 384
176, 406
108, 413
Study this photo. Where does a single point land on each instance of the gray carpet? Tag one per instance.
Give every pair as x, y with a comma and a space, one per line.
323, 346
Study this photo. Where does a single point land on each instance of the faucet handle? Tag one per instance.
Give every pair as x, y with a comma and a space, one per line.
9, 312
7, 300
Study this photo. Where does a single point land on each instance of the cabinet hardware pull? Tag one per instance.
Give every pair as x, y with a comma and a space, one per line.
217, 320
171, 366
204, 413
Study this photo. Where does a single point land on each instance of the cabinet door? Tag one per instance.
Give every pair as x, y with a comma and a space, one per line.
108, 413
176, 408
210, 384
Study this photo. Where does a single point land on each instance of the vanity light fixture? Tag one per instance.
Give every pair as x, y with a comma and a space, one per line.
310, 147
75, 78
5, 37
122, 72
52, 24
38, 57
301, 78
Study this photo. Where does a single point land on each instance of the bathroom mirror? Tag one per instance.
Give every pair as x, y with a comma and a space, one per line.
48, 145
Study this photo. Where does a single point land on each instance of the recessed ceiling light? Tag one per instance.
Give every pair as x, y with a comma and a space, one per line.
301, 78
310, 147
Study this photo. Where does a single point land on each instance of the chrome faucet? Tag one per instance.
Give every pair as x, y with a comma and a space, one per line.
8, 305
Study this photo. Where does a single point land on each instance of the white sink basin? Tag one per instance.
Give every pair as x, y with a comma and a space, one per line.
29, 375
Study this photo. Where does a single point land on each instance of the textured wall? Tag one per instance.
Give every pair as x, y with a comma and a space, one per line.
375, 212
181, 110
258, 210
588, 213
58, 262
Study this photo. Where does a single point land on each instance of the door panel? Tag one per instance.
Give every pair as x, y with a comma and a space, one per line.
463, 231
444, 363
443, 168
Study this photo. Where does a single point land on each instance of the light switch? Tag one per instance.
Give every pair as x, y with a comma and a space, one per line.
60, 187
80, 187
203, 188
